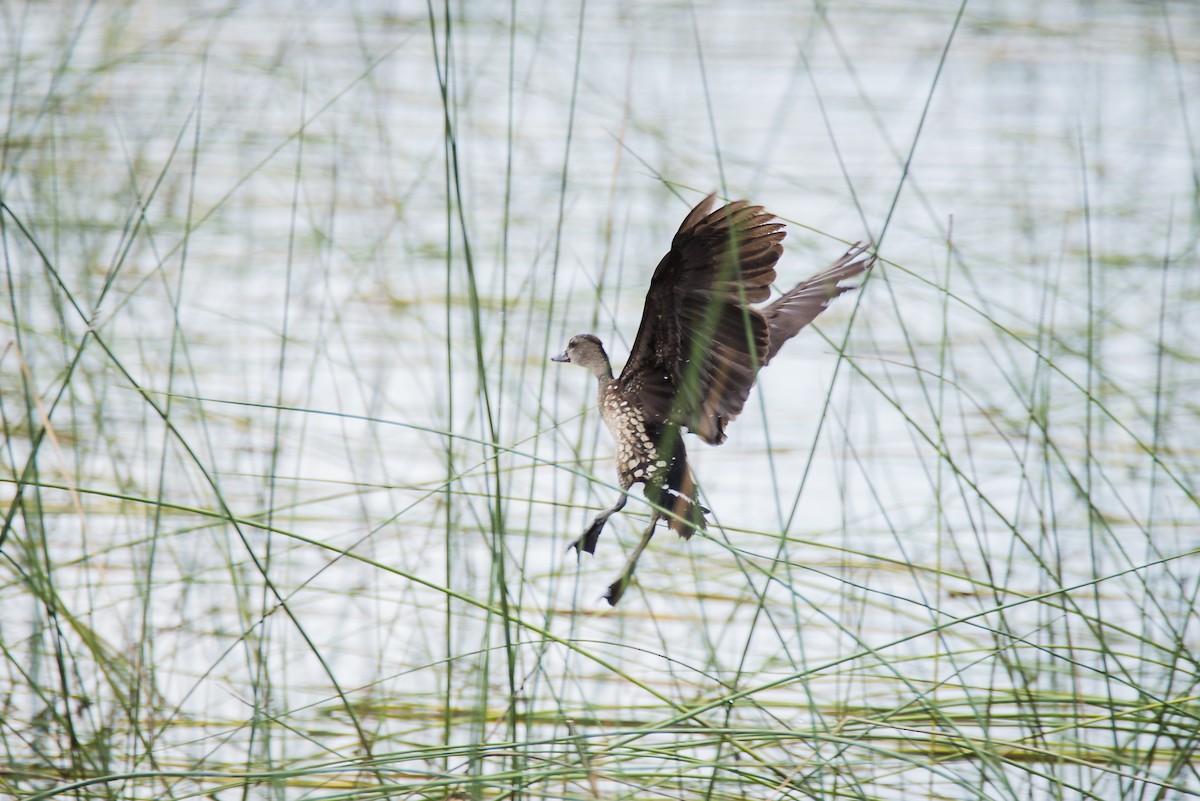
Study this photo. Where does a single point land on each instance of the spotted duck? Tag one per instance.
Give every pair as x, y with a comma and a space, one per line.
697, 352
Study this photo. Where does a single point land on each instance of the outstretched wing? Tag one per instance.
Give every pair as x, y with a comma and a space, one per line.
800, 306
700, 344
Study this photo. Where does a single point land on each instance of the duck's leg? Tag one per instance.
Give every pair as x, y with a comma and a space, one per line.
587, 541
617, 588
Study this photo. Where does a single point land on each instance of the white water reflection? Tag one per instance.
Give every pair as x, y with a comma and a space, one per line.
957, 467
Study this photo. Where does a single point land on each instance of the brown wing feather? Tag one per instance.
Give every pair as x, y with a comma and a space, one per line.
700, 345
799, 306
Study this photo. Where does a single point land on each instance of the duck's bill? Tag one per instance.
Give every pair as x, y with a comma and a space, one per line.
562, 357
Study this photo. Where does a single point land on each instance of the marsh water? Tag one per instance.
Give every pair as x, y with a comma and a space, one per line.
289, 479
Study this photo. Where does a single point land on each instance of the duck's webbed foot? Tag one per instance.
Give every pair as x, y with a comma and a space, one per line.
617, 588
587, 541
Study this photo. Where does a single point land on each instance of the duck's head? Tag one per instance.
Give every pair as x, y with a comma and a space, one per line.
586, 351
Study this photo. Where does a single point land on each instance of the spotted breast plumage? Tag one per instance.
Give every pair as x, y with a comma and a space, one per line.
697, 352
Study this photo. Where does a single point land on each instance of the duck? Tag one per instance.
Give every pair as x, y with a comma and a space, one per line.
703, 338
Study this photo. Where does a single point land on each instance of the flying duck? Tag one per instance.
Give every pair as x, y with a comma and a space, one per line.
697, 352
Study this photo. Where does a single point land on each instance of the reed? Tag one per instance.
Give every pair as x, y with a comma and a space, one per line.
287, 479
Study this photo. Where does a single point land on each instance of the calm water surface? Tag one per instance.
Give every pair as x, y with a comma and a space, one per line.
334, 251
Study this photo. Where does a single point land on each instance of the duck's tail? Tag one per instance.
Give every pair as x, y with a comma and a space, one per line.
678, 493
681, 500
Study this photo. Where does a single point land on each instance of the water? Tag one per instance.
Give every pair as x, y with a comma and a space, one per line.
952, 547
